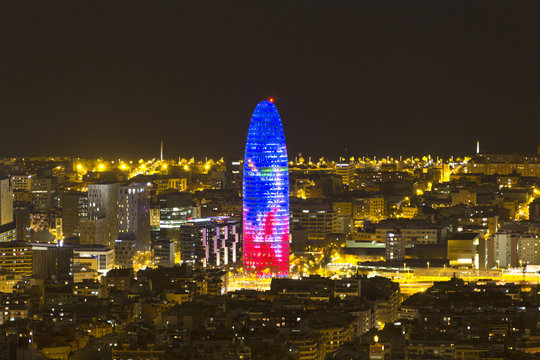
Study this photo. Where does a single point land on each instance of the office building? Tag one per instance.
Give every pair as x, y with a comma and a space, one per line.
103, 205
21, 182
52, 262
94, 231
316, 216
175, 209
74, 208
134, 214
210, 242
16, 256
43, 193
124, 251
266, 195
233, 175
42, 261
6, 202
7, 225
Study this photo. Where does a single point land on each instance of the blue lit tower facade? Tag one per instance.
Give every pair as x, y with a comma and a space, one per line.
266, 195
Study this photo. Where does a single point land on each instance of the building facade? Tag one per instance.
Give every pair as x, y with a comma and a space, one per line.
266, 195
42, 194
317, 217
74, 208
395, 246
6, 202
210, 242
103, 211
134, 214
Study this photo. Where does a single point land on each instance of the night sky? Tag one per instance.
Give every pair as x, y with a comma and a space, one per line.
110, 78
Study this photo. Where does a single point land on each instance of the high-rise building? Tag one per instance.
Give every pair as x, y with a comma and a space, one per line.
103, 205
233, 175
94, 232
154, 221
51, 261
6, 202
74, 208
7, 226
210, 242
43, 192
175, 209
134, 214
266, 195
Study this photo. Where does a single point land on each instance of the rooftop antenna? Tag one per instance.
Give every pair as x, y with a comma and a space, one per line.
477, 147
161, 157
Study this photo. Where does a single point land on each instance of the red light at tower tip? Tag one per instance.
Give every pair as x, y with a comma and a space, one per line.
271, 100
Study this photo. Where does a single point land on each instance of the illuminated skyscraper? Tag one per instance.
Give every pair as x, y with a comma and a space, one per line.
266, 195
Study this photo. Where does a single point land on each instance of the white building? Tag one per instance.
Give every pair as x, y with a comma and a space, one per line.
103, 254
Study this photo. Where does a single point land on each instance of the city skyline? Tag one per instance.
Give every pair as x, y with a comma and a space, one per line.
352, 77
382, 202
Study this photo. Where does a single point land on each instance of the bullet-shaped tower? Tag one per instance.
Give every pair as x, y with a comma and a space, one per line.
266, 195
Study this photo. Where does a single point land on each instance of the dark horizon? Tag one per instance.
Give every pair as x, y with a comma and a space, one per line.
111, 78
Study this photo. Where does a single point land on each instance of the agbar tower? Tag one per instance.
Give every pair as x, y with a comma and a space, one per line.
266, 195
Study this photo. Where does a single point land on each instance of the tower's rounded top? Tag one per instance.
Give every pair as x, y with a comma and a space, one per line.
265, 103
265, 129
